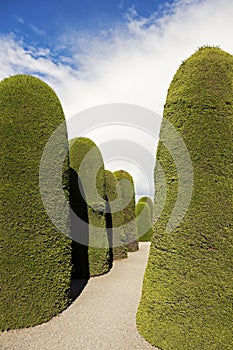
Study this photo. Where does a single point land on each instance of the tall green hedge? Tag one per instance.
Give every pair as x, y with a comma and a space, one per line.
130, 225
149, 201
115, 218
87, 162
144, 222
35, 257
187, 292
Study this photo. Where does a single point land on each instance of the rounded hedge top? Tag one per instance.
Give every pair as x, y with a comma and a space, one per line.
209, 68
114, 197
144, 221
129, 209
36, 259
188, 281
117, 216
148, 200
129, 212
85, 154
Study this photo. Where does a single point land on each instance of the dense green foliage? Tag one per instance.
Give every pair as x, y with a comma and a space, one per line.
35, 257
87, 162
187, 292
130, 226
115, 218
148, 200
144, 222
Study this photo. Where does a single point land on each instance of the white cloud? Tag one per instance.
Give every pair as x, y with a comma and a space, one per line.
37, 30
20, 19
133, 63
136, 64
15, 59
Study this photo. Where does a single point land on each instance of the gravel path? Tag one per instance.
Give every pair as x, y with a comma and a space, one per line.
101, 318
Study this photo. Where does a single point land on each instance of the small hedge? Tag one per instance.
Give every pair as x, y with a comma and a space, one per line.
115, 219
186, 301
35, 256
86, 161
148, 200
130, 226
144, 222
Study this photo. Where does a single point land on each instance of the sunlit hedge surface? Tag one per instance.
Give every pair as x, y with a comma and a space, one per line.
35, 257
144, 221
187, 292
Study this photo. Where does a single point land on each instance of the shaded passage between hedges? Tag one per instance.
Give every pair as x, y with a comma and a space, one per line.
103, 317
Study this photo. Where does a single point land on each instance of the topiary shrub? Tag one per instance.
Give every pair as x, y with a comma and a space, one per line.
128, 196
148, 200
87, 162
144, 222
115, 219
35, 256
187, 292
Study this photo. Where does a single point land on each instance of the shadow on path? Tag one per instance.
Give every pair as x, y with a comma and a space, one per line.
77, 286
101, 318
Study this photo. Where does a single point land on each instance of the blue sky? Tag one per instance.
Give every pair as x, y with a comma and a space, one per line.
44, 22
94, 53
86, 46
52, 16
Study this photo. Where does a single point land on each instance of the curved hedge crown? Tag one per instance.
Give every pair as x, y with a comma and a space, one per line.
148, 200
187, 292
36, 258
130, 226
86, 160
144, 222
116, 217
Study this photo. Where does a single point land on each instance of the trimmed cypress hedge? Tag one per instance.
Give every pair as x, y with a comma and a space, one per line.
148, 200
35, 256
115, 219
144, 222
85, 154
129, 210
187, 292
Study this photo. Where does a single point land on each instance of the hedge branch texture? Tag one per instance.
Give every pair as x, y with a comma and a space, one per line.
187, 295
35, 256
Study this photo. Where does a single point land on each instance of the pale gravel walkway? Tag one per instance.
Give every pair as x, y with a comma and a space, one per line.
101, 318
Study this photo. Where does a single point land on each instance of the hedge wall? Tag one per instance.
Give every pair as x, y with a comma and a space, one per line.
35, 256
130, 226
144, 222
115, 219
187, 292
87, 162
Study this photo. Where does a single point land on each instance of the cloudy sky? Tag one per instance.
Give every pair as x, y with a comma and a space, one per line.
109, 52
